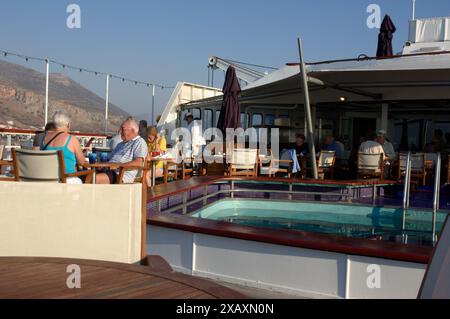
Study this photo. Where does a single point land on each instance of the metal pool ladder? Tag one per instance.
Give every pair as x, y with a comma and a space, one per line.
436, 195
406, 189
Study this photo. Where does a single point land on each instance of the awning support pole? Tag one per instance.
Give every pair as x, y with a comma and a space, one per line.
304, 78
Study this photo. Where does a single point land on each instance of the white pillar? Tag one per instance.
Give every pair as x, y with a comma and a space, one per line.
107, 103
414, 9
47, 75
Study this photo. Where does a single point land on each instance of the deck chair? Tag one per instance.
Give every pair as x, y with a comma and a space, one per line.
418, 169
370, 165
282, 165
170, 171
187, 168
4, 163
325, 163
141, 176
244, 162
43, 166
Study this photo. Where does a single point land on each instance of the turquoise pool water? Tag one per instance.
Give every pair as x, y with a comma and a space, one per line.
380, 223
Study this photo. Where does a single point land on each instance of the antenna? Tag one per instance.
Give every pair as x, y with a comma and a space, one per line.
414, 9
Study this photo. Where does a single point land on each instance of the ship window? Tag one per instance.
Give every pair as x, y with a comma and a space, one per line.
183, 122
269, 119
217, 117
257, 119
243, 120
197, 114
208, 120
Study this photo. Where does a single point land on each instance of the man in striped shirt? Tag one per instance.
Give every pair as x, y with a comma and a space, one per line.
132, 151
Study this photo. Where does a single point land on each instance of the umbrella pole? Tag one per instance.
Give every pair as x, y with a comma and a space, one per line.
312, 148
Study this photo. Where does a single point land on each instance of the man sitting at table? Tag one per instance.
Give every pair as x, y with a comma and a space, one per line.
132, 151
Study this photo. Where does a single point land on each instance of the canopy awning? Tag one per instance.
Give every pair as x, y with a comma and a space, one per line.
419, 77
413, 77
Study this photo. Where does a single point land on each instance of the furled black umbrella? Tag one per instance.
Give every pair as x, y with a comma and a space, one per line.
230, 113
387, 30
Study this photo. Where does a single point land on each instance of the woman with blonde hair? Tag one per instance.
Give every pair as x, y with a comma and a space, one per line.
157, 145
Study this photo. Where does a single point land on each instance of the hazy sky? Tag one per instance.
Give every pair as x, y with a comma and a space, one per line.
169, 41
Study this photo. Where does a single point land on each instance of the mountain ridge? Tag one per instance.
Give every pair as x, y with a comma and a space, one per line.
22, 100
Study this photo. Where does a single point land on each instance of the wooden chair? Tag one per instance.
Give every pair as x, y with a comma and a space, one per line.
4, 163
244, 162
370, 165
170, 171
325, 163
187, 168
141, 177
43, 166
418, 168
282, 165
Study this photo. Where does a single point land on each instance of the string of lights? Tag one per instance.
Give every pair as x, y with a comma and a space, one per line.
81, 69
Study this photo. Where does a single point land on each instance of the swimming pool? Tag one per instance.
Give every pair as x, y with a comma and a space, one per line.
356, 221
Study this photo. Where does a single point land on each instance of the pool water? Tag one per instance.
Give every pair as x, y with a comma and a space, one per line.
376, 223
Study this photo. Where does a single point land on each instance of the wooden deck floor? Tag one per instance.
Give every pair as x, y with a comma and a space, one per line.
42, 278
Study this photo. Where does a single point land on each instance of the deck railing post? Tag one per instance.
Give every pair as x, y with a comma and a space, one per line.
290, 191
205, 193
185, 198
232, 189
436, 195
158, 206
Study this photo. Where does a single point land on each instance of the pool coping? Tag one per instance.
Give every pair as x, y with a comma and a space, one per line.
294, 238
162, 191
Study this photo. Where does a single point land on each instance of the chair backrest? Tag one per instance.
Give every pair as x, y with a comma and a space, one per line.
370, 162
417, 162
140, 174
285, 156
38, 166
326, 159
2, 149
244, 158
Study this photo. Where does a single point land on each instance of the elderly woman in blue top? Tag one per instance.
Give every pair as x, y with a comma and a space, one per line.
59, 139
132, 151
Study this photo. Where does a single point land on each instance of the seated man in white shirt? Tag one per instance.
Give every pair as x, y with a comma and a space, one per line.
371, 146
131, 152
387, 146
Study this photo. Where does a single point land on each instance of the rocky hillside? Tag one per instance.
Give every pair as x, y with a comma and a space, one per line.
22, 100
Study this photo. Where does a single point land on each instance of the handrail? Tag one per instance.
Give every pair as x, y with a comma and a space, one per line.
436, 195
406, 189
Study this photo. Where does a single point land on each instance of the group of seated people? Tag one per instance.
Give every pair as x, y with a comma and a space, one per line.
128, 149
376, 143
